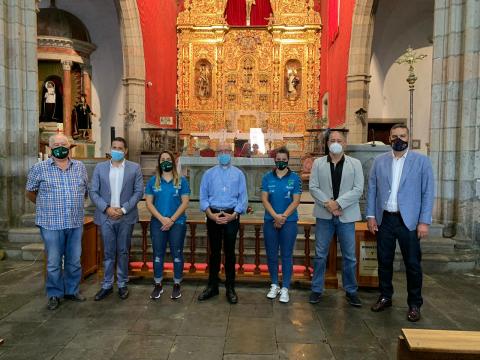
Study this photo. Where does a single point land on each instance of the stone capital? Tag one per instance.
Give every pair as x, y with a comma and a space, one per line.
67, 65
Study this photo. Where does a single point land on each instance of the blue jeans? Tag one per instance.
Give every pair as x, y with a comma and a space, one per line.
176, 238
324, 231
66, 244
285, 239
116, 236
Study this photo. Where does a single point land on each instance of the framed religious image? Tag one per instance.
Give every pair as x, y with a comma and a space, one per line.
293, 79
166, 120
203, 79
416, 143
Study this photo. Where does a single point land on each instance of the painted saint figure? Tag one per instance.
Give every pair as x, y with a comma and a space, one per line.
203, 82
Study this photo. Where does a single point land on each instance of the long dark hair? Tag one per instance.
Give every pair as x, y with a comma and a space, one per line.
176, 178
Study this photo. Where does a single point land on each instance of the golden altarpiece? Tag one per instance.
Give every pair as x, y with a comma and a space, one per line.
231, 79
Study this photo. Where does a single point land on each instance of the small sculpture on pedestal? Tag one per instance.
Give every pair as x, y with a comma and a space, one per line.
52, 103
82, 119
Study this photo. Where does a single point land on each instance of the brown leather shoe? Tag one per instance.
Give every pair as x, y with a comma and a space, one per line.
381, 304
413, 314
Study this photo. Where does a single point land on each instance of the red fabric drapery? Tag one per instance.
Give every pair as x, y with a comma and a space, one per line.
158, 20
333, 21
236, 13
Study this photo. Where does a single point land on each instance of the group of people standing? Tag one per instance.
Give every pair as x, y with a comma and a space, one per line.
399, 207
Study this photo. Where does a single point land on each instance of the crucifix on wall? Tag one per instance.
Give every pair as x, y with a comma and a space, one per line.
249, 9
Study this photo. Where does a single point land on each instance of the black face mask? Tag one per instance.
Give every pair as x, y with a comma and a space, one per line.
398, 144
281, 165
166, 166
60, 152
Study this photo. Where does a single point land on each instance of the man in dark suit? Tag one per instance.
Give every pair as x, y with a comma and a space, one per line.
117, 187
399, 207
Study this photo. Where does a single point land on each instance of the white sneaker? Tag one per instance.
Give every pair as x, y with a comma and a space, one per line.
284, 298
274, 291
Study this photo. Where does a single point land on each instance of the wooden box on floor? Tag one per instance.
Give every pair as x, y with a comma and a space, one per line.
421, 344
366, 251
90, 259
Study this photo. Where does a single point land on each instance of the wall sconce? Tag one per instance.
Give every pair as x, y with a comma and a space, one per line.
361, 114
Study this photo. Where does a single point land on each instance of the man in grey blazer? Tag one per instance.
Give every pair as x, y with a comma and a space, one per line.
399, 207
117, 187
336, 184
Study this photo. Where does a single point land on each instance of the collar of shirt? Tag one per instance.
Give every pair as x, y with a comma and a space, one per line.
121, 165
404, 156
52, 162
329, 159
274, 173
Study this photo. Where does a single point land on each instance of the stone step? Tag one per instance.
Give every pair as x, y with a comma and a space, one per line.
27, 220
24, 235
33, 251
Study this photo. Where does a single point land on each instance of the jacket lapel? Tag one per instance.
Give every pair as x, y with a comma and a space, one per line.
329, 175
107, 178
407, 166
126, 172
388, 169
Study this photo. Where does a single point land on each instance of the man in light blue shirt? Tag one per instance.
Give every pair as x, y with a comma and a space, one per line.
223, 197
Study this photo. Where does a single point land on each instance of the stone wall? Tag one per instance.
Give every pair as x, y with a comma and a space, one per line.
18, 106
455, 123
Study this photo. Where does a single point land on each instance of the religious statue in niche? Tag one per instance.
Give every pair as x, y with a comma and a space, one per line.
82, 119
249, 4
292, 79
51, 109
203, 79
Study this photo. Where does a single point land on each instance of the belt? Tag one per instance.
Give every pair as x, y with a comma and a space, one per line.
392, 213
228, 211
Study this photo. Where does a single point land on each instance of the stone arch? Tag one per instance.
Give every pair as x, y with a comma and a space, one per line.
358, 77
133, 73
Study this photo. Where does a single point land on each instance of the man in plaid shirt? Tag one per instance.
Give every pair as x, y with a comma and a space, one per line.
58, 187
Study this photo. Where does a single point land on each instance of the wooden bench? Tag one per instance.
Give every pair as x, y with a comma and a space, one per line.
421, 344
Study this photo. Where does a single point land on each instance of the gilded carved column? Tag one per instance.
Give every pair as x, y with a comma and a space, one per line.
67, 97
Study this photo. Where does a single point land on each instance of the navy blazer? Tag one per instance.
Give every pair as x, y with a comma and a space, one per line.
415, 191
131, 194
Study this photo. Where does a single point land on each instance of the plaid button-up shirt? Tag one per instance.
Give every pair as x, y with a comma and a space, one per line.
60, 194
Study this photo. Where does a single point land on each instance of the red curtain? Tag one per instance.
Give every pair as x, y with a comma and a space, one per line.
158, 20
333, 12
260, 12
236, 13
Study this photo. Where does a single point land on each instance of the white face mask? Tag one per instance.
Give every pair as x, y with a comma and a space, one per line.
335, 148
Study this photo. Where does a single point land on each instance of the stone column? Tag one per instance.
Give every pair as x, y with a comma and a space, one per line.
67, 98
455, 123
18, 109
87, 82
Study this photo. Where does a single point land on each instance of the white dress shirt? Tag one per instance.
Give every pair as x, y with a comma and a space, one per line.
116, 182
397, 168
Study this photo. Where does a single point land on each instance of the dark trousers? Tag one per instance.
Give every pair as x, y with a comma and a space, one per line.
216, 234
391, 230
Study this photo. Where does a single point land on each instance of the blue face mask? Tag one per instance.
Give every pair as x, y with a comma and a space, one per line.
224, 159
117, 155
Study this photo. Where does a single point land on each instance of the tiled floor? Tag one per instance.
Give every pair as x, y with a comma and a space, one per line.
256, 328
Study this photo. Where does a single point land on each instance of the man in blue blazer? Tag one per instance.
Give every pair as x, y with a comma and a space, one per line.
399, 207
116, 189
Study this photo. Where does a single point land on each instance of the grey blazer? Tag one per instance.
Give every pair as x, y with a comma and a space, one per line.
131, 194
351, 188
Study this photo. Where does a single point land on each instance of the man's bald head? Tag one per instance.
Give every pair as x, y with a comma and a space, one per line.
58, 140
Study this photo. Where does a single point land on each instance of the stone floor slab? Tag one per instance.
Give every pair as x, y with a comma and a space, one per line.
197, 348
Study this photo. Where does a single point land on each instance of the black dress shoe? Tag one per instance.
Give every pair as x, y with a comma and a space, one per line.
53, 303
381, 304
413, 314
77, 297
102, 294
353, 299
210, 291
123, 292
231, 295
